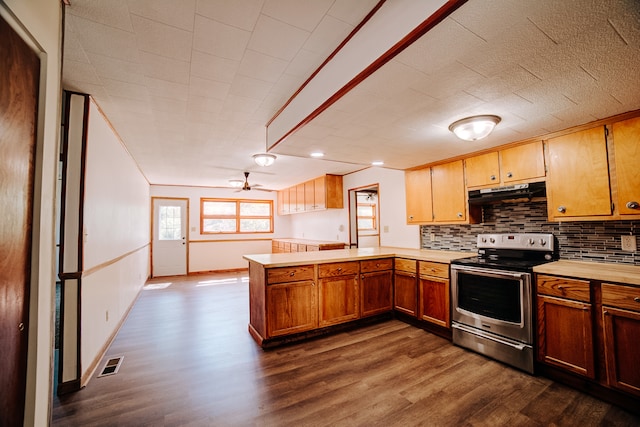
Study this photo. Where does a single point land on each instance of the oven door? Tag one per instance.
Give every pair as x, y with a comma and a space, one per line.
493, 301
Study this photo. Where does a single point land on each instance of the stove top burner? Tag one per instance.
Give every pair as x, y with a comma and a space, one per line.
516, 251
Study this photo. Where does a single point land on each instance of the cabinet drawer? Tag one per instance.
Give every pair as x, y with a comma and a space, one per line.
563, 287
408, 265
621, 296
434, 269
338, 269
376, 265
289, 274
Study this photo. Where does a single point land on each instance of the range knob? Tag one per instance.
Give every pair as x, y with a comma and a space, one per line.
484, 240
492, 240
543, 242
532, 242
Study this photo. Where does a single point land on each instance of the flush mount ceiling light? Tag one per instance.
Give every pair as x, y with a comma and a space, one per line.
236, 183
264, 159
377, 163
474, 128
317, 154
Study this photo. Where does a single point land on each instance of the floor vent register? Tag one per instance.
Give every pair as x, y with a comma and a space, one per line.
111, 367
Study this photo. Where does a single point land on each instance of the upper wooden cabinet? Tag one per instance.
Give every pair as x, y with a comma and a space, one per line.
522, 162
418, 195
626, 143
578, 177
438, 194
324, 192
448, 192
516, 164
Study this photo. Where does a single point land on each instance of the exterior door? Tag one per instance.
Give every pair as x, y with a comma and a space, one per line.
19, 75
169, 251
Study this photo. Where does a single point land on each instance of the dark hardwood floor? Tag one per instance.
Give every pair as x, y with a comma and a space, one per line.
189, 360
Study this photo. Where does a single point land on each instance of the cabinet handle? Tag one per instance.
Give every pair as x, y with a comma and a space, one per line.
492, 177
637, 299
410, 216
605, 312
292, 274
339, 268
633, 205
509, 175
459, 214
562, 209
21, 327
560, 287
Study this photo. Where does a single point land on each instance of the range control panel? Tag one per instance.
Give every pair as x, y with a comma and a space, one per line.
520, 241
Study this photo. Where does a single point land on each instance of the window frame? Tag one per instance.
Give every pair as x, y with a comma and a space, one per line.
237, 217
373, 217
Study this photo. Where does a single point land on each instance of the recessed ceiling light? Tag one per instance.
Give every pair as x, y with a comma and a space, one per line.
317, 154
377, 163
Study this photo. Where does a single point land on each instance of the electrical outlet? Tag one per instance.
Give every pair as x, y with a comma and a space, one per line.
629, 243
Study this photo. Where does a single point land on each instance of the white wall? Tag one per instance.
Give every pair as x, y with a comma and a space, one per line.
41, 20
116, 237
209, 252
333, 224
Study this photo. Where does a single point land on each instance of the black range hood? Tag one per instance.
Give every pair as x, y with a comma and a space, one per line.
506, 193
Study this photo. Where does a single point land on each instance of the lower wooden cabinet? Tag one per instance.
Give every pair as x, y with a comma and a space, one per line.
565, 324
405, 287
621, 324
565, 335
338, 295
433, 293
376, 278
291, 308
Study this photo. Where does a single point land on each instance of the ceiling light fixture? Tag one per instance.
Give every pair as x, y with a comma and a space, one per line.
377, 163
317, 154
236, 183
264, 159
474, 128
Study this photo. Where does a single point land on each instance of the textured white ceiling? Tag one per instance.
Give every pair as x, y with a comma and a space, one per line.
190, 84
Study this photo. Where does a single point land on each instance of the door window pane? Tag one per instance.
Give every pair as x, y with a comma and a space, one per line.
170, 223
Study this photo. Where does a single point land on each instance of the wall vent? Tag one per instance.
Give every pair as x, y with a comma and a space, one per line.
111, 367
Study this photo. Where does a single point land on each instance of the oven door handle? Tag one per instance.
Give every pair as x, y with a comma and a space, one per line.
489, 272
492, 337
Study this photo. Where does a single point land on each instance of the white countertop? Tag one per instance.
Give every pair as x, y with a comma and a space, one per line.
341, 255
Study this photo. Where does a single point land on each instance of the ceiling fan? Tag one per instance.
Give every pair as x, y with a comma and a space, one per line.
247, 187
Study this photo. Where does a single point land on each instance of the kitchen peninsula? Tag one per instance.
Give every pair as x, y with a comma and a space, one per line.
294, 296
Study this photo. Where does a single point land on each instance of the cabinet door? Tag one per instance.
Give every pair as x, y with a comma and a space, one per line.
578, 179
334, 195
291, 308
309, 196
405, 295
482, 170
338, 299
626, 145
434, 300
375, 292
418, 196
283, 202
319, 195
300, 203
449, 193
522, 162
621, 335
292, 200
565, 336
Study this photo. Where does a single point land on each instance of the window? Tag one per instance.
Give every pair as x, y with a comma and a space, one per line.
170, 227
236, 216
366, 216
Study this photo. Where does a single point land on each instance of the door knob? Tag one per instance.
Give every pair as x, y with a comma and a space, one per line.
562, 209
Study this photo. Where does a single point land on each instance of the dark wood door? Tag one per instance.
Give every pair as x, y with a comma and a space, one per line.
19, 74
405, 294
376, 292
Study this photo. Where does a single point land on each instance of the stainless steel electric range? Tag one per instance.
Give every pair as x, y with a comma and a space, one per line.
492, 296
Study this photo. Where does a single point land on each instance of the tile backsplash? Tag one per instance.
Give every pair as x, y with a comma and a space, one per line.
597, 241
